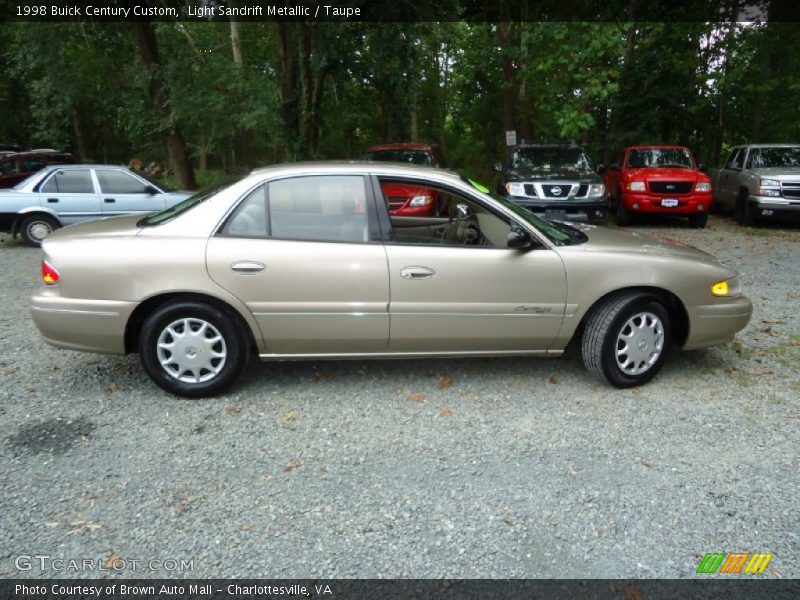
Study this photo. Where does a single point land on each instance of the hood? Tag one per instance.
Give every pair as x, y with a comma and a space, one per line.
111, 226
666, 173
551, 175
781, 173
625, 241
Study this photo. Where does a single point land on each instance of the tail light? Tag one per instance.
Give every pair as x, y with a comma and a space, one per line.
49, 274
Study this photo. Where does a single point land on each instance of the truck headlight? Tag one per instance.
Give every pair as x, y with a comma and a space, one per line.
636, 186
596, 190
770, 187
702, 186
515, 188
421, 201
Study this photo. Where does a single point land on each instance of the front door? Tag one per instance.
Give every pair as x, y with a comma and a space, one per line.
123, 194
457, 287
304, 255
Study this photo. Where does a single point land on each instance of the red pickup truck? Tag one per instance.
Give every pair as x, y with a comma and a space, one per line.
403, 199
663, 180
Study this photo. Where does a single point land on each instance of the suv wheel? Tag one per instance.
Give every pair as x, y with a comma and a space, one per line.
626, 339
192, 349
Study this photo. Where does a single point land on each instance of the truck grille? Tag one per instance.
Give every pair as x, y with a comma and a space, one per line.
791, 189
556, 191
671, 187
530, 190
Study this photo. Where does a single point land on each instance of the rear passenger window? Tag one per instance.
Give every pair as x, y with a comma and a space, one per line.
322, 208
69, 182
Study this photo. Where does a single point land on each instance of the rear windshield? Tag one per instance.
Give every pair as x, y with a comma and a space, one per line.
180, 208
414, 157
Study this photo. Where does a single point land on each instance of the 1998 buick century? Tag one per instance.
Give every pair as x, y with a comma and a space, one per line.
304, 261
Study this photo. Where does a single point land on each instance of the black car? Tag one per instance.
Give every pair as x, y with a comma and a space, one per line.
556, 181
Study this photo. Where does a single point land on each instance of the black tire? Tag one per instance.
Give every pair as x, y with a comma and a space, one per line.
233, 344
623, 215
604, 328
36, 228
741, 211
699, 220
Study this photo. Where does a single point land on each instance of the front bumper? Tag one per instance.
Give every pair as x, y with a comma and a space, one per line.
767, 207
688, 204
712, 324
80, 324
595, 210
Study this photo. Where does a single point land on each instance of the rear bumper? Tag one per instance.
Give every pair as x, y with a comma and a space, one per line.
712, 324
688, 204
78, 324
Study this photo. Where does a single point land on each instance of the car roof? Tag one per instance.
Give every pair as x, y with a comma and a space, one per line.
772, 145
355, 167
647, 146
401, 146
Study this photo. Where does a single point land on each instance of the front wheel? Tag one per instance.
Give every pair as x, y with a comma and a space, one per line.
742, 212
36, 228
626, 339
699, 220
192, 349
623, 215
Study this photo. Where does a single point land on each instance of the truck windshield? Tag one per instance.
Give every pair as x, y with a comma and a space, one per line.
762, 158
414, 157
550, 159
660, 157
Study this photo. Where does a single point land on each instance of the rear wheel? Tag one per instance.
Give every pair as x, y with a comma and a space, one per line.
742, 212
192, 349
35, 228
626, 339
699, 220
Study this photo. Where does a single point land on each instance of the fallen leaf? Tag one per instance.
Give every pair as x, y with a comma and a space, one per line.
507, 520
180, 509
291, 466
445, 382
10, 370
316, 377
771, 321
233, 410
110, 389
247, 527
632, 593
53, 368
113, 561
553, 379
290, 416
88, 362
417, 397
30, 390
446, 412
645, 463
329, 375
764, 372
793, 295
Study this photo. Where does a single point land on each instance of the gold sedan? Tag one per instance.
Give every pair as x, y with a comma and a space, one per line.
304, 261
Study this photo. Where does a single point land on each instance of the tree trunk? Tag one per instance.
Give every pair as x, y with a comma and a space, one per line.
509, 79
81, 149
243, 136
616, 113
176, 146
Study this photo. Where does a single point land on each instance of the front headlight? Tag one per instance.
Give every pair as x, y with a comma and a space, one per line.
596, 190
770, 187
636, 186
515, 188
702, 186
421, 201
728, 287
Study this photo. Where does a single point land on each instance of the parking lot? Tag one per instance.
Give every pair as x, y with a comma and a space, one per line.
466, 468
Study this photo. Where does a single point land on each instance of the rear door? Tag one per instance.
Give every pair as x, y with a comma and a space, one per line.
71, 194
305, 255
123, 193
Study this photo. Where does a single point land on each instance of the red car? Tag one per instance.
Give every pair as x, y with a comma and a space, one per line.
403, 199
16, 166
662, 180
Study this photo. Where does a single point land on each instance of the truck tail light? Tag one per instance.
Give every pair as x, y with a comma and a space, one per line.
49, 274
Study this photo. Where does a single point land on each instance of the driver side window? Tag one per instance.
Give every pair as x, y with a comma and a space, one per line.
442, 218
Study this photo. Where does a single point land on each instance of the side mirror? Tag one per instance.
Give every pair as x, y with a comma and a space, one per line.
614, 166
498, 168
734, 166
702, 167
518, 238
463, 210
601, 168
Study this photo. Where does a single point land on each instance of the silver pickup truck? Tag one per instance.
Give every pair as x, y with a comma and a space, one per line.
759, 181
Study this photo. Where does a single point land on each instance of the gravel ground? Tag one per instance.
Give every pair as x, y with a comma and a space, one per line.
430, 468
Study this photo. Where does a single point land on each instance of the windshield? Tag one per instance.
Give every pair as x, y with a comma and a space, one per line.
660, 157
172, 212
414, 157
550, 159
762, 158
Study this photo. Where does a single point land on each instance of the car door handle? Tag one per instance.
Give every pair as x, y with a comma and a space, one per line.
52, 200
109, 200
417, 273
248, 267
